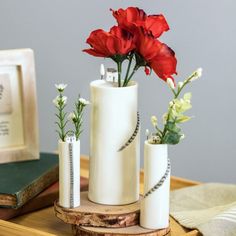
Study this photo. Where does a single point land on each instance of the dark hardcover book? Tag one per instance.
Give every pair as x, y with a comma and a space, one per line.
42, 200
21, 181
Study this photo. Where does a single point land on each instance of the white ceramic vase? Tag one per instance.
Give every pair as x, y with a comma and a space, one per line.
114, 166
154, 212
69, 173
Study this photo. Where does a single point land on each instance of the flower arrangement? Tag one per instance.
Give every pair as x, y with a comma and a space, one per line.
171, 132
75, 117
135, 38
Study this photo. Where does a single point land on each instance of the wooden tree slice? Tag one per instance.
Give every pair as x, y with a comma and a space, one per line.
92, 214
128, 231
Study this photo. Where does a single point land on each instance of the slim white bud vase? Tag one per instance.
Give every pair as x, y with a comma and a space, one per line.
114, 143
69, 173
154, 213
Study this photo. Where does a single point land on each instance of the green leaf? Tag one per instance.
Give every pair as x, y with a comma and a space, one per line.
58, 124
172, 127
172, 138
183, 119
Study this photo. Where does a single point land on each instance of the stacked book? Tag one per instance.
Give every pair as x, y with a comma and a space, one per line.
30, 185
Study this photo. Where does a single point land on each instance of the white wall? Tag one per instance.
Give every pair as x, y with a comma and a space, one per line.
203, 33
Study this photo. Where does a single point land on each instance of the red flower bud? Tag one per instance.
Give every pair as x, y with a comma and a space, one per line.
147, 70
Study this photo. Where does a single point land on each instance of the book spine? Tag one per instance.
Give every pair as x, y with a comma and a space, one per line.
37, 186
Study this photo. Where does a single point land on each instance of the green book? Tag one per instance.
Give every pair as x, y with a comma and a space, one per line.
21, 181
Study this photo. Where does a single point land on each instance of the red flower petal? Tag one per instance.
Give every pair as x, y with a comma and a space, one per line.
94, 53
108, 44
164, 64
97, 41
147, 46
122, 40
156, 24
130, 15
129, 18
133, 17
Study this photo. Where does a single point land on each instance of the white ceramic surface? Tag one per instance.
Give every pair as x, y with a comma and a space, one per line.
114, 175
69, 176
155, 207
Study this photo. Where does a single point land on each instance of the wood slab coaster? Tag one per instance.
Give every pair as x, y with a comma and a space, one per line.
128, 231
92, 214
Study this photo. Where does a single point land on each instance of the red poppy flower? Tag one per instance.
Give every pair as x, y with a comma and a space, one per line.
157, 55
129, 18
107, 44
133, 17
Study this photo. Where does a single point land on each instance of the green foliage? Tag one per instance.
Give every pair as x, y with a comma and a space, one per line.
60, 104
171, 133
75, 117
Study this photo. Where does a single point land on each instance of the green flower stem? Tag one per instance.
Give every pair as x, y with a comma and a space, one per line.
173, 91
119, 73
176, 95
62, 124
184, 84
131, 75
165, 128
128, 69
78, 119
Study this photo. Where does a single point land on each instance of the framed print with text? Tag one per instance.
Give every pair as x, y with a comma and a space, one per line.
18, 106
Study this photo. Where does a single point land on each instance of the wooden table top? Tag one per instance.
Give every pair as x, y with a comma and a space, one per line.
43, 222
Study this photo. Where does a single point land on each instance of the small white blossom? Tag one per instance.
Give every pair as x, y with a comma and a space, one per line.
64, 99
84, 101
147, 132
102, 70
71, 116
59, 99
182, 136
60, 87
180, 84
154, 120
164, 118
55, 101
199, 72
170, 83
171, 103
196, 74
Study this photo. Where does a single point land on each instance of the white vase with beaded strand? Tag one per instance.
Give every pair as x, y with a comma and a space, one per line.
69, 173
114, 143
154, 213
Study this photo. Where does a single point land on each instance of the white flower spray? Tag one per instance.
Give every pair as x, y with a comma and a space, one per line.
75, 117
60, 104
171, 133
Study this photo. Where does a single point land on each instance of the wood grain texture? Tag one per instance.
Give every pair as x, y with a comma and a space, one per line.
8, 228
45, 220
128, 231
92, 214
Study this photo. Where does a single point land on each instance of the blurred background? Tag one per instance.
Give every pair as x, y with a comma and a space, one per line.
203, 34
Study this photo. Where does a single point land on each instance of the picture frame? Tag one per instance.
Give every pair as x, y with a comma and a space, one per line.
19, 139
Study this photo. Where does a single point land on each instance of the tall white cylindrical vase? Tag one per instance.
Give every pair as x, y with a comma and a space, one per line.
154, 212
114, 143
69, 173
